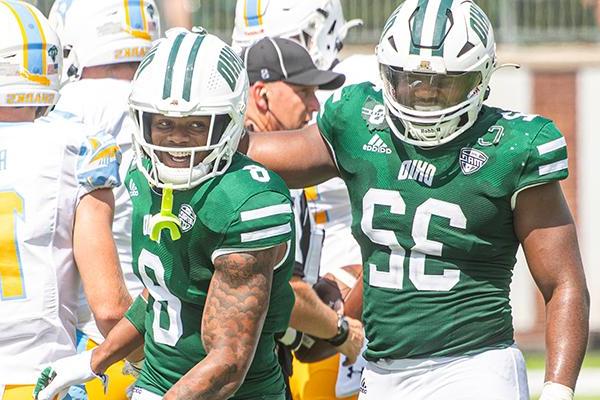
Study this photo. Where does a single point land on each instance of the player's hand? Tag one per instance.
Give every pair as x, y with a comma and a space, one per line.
66, 372
352, 346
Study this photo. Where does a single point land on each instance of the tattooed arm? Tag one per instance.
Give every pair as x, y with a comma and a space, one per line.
233, 318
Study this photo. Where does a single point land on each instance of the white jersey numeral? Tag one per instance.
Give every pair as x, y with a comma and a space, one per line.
393, 277
258, 173
163, 300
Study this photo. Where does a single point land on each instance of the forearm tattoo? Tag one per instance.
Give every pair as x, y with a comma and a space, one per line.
233, 318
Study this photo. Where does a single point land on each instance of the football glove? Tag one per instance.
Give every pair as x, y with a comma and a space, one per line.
63, 373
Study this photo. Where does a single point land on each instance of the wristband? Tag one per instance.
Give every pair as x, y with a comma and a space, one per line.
556, 391
342, 334
136, 314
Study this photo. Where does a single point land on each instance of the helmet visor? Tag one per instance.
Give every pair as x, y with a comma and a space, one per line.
421, 91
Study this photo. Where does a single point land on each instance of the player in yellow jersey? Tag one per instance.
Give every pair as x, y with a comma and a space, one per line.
55, 194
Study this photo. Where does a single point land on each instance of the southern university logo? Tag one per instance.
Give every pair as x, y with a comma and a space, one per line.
471, 160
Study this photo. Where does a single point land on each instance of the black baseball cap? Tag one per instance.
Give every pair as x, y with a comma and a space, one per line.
279, 59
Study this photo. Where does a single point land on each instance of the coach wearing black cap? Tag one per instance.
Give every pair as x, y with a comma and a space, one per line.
283, 81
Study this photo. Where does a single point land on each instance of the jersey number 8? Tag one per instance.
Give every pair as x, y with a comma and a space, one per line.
163, 300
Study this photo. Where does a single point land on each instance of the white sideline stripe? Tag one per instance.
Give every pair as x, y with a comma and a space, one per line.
266, 233
551, 146
268, 211
555, 166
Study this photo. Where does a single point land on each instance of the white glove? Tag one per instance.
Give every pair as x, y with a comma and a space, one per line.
556, 391
66, 372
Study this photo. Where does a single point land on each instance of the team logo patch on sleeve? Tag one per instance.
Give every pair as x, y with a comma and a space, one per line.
373, 113
187, 216
471, 160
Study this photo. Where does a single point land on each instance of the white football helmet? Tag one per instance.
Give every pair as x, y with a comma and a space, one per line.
318, 25
436, 59
104, 32
30, 57
189, 73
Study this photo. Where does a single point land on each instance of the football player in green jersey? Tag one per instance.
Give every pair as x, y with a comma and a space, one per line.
212, 238
443, 191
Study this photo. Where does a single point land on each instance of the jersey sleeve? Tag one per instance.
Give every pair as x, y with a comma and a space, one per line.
98, 163
331, 120
547, 159
264, 220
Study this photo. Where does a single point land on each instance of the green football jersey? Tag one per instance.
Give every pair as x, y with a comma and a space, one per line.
247, 208
435, 226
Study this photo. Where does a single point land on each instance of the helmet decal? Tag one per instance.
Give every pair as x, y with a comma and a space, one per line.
480, 23
34, 42
171, 65
442, 17
252, 13
229, 66
191, 63
31, 57
135, 19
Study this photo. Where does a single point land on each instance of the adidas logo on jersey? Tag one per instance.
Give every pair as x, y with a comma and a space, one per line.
417, 170
376, 145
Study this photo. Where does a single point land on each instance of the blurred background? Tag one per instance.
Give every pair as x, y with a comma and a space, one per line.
557, 44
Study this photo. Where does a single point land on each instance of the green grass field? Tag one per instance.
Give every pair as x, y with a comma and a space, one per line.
536, 361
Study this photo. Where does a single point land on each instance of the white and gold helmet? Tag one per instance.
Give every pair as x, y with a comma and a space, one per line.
318, 25
104, 32
30, 57
436, 59
189, 74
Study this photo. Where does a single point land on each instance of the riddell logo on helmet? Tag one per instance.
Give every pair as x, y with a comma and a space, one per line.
130, 52
30, 98
430, 130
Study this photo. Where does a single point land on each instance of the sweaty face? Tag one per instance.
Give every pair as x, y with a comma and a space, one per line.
178, 133
291, 106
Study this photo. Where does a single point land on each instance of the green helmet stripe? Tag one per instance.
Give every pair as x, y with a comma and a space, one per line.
440, 27
171, 65
480, 23
390, 21
189, 70
229, 66
146, 61
417, 27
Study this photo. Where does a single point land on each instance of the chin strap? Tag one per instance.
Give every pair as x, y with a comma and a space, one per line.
165, 219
